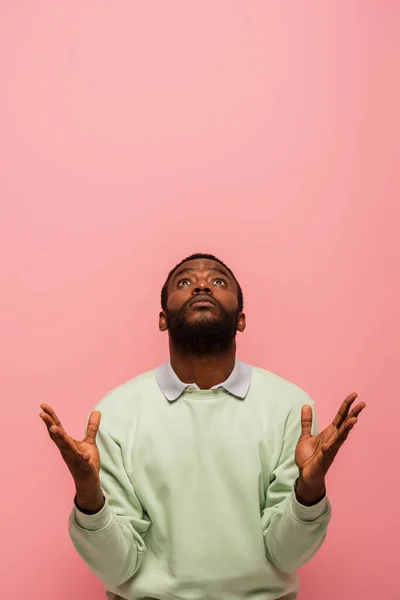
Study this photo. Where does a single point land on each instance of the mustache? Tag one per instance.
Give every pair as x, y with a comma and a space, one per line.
201, 298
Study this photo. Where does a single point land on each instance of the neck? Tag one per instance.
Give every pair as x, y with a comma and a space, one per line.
206, 370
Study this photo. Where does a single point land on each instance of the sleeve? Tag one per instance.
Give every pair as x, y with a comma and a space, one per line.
111, 542
292, 532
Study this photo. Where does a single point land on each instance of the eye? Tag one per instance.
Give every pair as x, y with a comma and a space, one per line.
184, 282
219, 282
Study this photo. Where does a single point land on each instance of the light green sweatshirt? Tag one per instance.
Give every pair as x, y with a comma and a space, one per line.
199, 493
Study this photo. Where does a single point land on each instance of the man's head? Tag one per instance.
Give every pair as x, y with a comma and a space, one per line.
202, 305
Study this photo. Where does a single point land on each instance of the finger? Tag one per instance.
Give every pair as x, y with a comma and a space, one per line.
63, 441
66, 445
306, 420
344, 410
341, 437
51, 426
57, 434
351, 420
69, 451
347, 427
48, 410
93, 426
48, 421
357, 410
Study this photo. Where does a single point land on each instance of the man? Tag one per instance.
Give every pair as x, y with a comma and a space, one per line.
206, 477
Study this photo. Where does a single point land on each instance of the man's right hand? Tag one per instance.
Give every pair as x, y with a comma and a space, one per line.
82, 458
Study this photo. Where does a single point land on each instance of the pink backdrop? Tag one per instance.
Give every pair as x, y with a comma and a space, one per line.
134, 133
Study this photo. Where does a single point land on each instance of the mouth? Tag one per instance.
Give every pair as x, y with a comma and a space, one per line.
202, 302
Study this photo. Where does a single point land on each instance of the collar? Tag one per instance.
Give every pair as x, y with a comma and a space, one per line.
237, 384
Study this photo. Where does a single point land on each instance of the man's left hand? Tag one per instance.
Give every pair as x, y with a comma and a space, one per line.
315, 453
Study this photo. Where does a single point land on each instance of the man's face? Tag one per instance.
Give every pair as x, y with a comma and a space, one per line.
202, 313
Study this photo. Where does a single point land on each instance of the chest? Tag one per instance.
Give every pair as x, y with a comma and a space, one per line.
202, 448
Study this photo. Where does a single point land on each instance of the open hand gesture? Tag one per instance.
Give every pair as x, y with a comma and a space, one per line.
315, 453
82, 458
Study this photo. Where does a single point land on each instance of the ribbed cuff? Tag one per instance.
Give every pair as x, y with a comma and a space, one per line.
309, 513
95, 522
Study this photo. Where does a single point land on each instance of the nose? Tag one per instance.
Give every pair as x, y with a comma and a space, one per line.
202, 287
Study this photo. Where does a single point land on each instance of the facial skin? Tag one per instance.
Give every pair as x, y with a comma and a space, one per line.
202, 314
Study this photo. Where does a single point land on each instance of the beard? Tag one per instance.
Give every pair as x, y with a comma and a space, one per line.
204, 336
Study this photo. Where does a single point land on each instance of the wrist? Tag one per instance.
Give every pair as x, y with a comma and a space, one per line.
309, 494
89, 499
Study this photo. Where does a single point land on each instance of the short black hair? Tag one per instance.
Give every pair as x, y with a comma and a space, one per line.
164, 291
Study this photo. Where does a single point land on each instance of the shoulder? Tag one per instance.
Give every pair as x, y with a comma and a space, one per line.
127, 396
278, 390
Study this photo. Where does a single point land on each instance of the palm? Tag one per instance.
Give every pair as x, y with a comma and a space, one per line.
309, 456
315, 453
86, 447
81, 457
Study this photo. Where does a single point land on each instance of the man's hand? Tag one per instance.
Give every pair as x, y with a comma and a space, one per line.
315, 453
82, 458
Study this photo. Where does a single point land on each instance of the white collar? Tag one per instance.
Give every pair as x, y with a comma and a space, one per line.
237, 384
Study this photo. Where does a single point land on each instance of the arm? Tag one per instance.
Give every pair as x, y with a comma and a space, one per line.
111, 541
292, 531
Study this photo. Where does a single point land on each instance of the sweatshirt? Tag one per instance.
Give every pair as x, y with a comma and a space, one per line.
199, 489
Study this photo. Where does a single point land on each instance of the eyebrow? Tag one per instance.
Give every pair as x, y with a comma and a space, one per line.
189, 269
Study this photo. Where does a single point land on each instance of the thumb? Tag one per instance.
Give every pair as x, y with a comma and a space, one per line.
93, 426
306, 420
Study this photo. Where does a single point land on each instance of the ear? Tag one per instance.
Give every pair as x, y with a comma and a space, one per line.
241, 326
162, 321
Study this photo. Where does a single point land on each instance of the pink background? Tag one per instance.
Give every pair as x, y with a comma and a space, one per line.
134, 133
